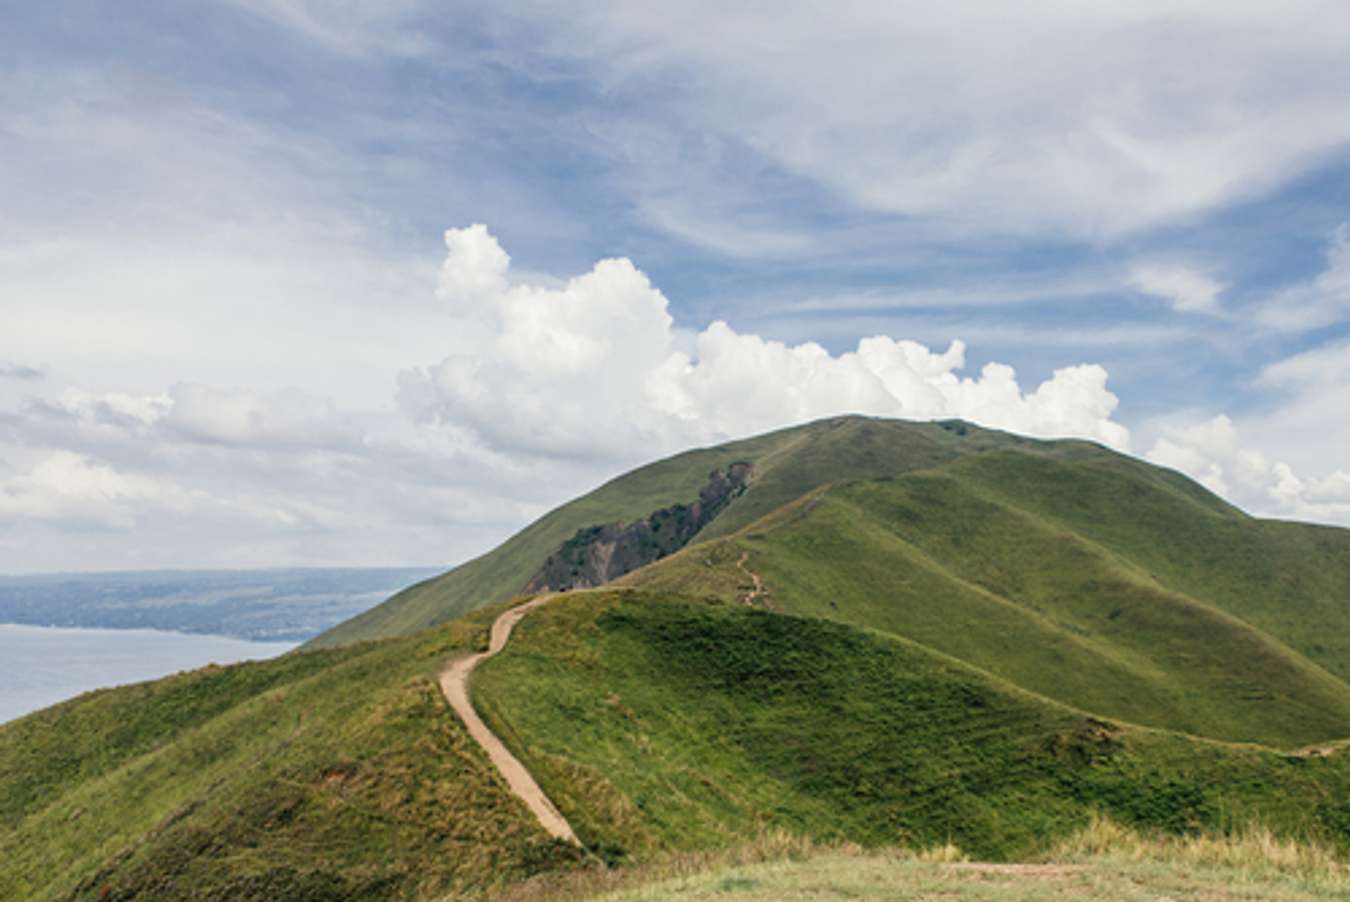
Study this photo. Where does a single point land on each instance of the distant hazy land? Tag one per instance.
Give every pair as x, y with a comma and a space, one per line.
67, 633
259, 605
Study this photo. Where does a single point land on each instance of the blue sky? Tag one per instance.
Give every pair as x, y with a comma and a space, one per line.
238, 335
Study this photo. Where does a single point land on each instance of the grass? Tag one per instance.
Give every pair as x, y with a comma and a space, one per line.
1129, 865
320, 775
1038, 595
659, 724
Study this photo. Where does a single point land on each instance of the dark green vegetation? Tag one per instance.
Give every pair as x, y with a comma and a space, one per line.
329, 775
898, 634
661, 723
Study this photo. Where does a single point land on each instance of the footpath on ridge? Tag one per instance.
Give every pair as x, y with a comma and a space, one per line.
455, 687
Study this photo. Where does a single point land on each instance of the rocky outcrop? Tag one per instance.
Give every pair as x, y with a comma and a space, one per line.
601, 553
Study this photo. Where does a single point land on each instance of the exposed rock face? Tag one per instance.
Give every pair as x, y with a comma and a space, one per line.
598, 554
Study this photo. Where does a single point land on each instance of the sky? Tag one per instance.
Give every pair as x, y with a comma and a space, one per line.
319, 282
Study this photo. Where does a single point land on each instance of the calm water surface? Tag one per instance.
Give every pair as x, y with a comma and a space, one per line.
42, 665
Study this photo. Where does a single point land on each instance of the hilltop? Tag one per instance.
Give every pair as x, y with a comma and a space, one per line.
1068, 569
854, 633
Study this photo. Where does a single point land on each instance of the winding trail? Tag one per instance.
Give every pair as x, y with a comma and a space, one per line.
455, 687
758, 591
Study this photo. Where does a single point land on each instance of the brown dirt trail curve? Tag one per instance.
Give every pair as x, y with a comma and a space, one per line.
455, 686
757, 590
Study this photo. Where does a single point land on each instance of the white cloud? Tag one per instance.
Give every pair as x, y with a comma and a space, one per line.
1286, 461
1090, 123
69, 487
1320, 301
1187, 288
596, 367
349, 28
243, 417
1214, 454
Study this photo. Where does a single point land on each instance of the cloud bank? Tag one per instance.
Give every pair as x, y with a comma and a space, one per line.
552, 385
597, 367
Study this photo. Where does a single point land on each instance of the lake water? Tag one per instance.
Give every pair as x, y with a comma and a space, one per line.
41, 665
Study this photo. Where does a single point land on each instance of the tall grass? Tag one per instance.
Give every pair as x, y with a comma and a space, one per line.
1251, 849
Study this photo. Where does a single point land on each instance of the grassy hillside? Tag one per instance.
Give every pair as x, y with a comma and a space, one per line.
1075, 573
787, 464
658, 723
900, 635
314, 776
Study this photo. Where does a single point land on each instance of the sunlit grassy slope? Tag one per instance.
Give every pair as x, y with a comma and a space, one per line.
661, 723
787, 464
1075, 573
336, 774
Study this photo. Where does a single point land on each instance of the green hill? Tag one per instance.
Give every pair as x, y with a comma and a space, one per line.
886, 634
1041, 595
1067, 569
786, 464
658, 724
324, 775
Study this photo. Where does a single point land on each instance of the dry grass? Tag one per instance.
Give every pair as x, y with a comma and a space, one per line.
1252, 849
773, 847
1104, 860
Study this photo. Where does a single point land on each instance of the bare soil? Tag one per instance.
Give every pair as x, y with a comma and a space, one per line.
455, 685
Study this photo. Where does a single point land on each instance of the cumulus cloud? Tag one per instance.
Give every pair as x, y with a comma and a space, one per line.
1213, 453
1300, 468
1320, 301
1187, 288
595, 366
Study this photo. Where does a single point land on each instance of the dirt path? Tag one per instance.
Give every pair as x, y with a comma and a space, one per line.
455, 686
758, 591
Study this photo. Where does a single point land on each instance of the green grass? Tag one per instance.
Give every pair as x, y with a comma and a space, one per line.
321, 775
1207, 637
660, 724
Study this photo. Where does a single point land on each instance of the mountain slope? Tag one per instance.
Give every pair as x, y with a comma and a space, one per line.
657, 722
786, 464
1004, 580
334, 774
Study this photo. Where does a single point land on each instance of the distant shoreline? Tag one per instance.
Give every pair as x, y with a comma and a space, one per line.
45, 665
